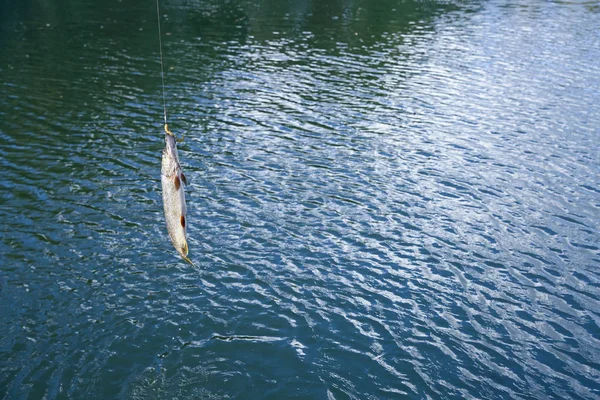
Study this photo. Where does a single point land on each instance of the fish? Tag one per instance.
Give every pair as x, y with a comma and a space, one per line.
173, 195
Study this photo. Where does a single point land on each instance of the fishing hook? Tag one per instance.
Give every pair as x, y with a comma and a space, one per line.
168, 132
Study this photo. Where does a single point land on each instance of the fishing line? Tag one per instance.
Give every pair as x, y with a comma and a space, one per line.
162, 70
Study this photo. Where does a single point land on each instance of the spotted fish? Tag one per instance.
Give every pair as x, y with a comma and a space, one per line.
173, 179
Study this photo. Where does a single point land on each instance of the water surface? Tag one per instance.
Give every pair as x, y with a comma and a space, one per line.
392, 199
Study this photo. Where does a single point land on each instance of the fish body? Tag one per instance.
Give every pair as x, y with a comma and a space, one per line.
173, 180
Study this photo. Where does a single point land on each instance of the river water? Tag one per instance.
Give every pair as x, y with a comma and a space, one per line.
387, 200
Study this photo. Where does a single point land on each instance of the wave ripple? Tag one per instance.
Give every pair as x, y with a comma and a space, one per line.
386, 202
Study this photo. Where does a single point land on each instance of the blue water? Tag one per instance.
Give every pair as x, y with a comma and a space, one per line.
387, 200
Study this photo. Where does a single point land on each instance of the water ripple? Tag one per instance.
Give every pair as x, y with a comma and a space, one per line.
385, 204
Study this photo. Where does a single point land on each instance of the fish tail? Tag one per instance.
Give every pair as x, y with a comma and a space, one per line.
188, 260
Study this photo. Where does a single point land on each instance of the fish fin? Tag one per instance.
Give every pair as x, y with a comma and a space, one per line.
177, 182
184, 249
184, 179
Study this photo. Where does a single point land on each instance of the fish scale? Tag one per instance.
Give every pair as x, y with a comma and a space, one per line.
173, 180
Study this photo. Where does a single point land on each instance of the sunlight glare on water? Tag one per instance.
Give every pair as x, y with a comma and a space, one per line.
387, 200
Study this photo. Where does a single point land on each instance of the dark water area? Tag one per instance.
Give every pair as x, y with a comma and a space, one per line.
387, 200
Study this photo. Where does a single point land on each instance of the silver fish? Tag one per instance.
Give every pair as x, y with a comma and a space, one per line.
173, 195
